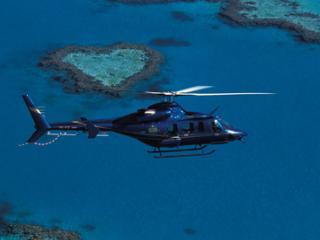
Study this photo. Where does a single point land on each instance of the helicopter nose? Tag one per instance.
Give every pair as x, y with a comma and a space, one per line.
236, 135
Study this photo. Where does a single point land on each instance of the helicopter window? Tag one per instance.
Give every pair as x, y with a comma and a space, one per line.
185, 127
216, 126
191, 127
173, 129
153, 130
200, 126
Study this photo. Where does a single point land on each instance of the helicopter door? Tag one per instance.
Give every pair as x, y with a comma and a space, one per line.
201, 127
191, 127
173, 129
185, 128
153, 130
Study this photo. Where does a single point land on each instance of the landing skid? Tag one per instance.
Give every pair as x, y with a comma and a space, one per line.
198, 149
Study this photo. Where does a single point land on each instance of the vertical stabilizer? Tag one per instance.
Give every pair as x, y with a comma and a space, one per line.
41, 124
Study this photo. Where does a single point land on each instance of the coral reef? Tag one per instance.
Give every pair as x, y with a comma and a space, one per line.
157, 1
150, 1
30, 231
36, 232
169, 42
88, 227
299, 16
181, 16
189, 231
111, 70
5, 209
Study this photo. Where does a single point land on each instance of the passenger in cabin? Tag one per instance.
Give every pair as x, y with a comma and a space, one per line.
153, 130
173, 129
201, 127
216, 126
191, 127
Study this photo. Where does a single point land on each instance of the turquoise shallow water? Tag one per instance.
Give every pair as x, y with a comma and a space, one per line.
267, 188
311, 6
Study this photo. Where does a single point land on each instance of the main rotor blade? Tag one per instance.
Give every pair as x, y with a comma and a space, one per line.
193, 89
223, 94
159, 93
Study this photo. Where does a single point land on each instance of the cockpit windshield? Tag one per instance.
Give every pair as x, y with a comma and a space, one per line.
222, 123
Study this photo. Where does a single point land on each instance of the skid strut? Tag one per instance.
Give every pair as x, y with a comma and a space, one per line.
190, 152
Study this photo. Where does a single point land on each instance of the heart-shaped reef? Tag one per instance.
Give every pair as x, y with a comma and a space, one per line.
109, 69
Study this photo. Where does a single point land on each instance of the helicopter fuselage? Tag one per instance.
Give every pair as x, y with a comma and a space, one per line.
164, 124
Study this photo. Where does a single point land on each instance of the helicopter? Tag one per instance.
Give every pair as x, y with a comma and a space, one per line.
166, 126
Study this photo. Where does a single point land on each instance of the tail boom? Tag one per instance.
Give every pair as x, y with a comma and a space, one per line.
42, 126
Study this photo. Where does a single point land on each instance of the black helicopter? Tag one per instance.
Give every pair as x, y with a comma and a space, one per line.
166, 126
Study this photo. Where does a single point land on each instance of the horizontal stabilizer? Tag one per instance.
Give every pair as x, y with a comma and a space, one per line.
36, 135
92, 129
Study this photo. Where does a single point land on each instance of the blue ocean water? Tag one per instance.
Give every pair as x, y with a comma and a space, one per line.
267, 188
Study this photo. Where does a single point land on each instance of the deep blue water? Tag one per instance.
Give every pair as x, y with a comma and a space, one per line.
267, 188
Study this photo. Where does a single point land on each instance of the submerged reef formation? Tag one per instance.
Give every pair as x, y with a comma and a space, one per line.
110, 70
181, 16
30, 231
5, 209
36, 232
158, 1
300, 16
88, 227
169, 42
189, 231
150, 1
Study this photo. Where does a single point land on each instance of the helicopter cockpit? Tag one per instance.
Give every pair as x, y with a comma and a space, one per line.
217, 127
224, 124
